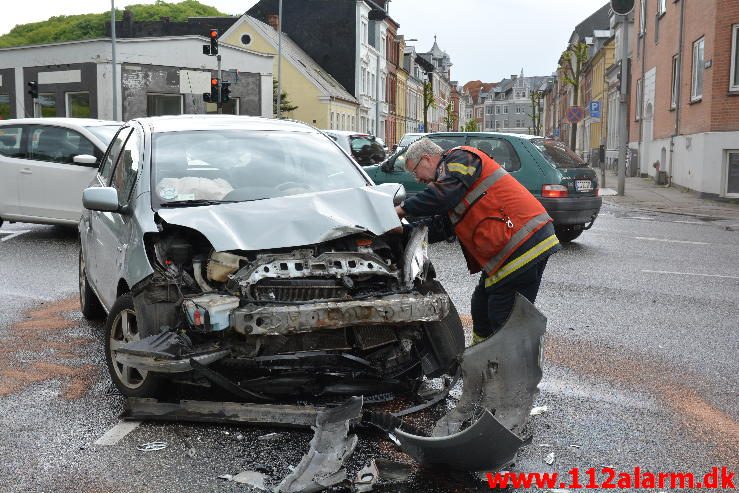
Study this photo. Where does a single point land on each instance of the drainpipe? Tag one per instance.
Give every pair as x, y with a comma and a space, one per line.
643, 40
679, 81
113, 60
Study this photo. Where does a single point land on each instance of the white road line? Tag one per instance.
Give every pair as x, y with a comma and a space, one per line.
688, 274
115, 434
13, 234
690, 222
640, 218
671, 241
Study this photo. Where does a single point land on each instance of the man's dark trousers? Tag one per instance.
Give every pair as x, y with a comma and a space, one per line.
491, 306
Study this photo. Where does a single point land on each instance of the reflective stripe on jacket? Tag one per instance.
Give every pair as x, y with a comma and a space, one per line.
496, 216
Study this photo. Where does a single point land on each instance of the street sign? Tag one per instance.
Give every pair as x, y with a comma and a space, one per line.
420, 127
594, 108
556, 132
575, 114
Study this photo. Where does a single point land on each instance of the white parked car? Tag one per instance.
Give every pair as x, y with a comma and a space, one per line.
364, 148
45, 163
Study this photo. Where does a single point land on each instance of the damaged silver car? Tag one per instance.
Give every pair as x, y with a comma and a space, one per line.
254, 256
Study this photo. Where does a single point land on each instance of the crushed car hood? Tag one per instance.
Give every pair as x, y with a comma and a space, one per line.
290, 221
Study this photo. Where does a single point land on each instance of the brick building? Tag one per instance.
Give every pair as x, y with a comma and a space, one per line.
685, 97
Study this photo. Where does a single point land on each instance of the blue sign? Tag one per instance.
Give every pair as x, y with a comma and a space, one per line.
420, 127
595, 109
556, 132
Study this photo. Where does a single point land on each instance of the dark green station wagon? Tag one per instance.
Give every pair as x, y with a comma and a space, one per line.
565, 185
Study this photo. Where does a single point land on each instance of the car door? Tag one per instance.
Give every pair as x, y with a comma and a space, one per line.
51, 183
12, 163
93, 231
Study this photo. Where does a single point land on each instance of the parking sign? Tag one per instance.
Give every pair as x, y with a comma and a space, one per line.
595, 109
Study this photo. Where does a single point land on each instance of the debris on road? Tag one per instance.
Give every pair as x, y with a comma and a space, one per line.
152, 446
549, 459
538, 410
254, 479
269, 436
322, 465
381, 470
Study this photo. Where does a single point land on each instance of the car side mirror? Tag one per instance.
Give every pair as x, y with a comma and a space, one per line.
85, 159
103, 199
388, 165
400, 195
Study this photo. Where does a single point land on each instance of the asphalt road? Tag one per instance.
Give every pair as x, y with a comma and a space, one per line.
641, 369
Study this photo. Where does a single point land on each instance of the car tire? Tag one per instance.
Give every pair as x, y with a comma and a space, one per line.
567, 233
121, 328
90, 306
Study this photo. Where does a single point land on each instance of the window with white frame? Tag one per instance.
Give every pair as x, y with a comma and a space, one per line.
331, 122
497, 110
505, 110
732, 173
661, 7
643, 17
675, 79
734, 78
696, 92
78, 105
638, 99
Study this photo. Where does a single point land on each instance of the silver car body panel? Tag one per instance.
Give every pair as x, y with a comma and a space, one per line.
291, 221
306, 317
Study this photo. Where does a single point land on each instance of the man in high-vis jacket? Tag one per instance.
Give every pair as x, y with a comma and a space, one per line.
504, 231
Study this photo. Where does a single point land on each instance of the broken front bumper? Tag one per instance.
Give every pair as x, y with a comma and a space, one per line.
306, 317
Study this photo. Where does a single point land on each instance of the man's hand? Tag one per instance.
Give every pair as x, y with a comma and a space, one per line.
400, 211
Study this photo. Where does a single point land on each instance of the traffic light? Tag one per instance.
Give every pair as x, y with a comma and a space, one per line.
214, 41
33, 89
225, 91
622, 7
214, 90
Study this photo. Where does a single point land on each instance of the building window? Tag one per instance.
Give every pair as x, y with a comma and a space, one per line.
675, 78
661, 7
331, 121
163, 104
505, 110
696, 92
643, 17
497, 110
4, 107
48, 104
734, 81
637, 113
78, 104
245, 39
732, 178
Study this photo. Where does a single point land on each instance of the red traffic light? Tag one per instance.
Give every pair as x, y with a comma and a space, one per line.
214, 33
213, 82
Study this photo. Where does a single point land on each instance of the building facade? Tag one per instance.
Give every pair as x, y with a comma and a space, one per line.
508, 107
154, 76
685, 100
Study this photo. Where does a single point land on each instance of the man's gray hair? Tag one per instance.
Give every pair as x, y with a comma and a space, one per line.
422, 147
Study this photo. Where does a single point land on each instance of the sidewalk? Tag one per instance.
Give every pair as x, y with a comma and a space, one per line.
643, 194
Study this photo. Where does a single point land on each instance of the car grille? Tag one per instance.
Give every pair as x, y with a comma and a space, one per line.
299, 289
372, 336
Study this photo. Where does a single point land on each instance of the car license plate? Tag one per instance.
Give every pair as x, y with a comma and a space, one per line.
583, 185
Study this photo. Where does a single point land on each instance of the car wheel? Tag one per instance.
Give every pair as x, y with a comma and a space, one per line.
567, 233
89, 304
121, 328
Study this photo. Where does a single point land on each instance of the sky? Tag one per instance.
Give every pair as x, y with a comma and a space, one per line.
485, 39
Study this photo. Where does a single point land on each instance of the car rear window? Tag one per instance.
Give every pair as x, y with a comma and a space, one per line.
558, 154
446, 142
366, 150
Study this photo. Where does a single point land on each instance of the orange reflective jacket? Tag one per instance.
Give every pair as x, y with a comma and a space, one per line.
495, 217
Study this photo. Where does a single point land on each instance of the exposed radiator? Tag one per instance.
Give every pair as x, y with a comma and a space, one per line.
372, 336
299, 290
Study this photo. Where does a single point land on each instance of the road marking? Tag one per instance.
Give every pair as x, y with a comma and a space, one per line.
690, 222
640, 218
688, 274
13, 234
115, 434
671, 241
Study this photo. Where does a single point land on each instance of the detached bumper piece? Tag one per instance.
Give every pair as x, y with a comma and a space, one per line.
167, 352
500, 378
294, 319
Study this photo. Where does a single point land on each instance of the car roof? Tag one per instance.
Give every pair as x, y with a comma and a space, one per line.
178, 123
85, 122
483, 134
346, 132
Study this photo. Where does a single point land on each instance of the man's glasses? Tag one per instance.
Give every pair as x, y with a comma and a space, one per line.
418, 163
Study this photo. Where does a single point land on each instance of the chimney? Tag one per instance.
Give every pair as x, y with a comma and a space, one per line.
514, 76
274, 21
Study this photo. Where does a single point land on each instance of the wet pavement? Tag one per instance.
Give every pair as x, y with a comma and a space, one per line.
640, 368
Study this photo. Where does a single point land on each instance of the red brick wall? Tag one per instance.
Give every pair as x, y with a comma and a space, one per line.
725, 104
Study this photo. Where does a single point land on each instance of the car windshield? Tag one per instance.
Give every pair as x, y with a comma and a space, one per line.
558, 154
237, 165
104, 132
408, 139
366, 149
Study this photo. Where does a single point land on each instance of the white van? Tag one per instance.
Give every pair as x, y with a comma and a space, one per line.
45, 163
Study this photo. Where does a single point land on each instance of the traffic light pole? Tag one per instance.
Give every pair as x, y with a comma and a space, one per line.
220, 104
623, 106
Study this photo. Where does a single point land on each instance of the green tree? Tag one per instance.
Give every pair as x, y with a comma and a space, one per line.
285, 105
450, 119
428, 100
471, 126
89, 26
536, 98
571, 65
